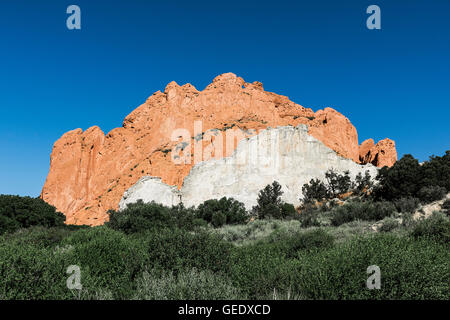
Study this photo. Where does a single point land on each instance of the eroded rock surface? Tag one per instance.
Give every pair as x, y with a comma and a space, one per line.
90, 171
286, 154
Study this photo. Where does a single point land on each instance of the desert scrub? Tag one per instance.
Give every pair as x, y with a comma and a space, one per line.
191, 284
389, 224
357, 210
289, 243
38, 235
436, 227
29, 271
349, 230
178, 249
410, 269
260, 268
108, 259
255, 230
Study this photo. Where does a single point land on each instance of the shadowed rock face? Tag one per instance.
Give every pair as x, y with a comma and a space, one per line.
89, 172
285, 154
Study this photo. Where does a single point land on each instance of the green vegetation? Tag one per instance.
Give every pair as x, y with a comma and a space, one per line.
218, 250
23, 212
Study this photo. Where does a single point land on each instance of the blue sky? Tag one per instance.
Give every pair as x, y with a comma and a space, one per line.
392, 82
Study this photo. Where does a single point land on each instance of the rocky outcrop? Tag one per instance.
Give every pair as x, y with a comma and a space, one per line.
286, 154
381, 154
90, 171
425, 211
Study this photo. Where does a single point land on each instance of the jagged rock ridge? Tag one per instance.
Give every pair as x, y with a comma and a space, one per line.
90, 171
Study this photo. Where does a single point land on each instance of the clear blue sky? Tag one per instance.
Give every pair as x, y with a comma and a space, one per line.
392, 82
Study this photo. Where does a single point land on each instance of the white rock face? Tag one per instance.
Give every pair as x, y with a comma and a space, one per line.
285, 154
150, 189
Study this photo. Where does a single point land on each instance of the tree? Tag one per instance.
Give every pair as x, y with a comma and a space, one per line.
337, 183
403, 179
313, 191
223, 211
269, 201
23, 212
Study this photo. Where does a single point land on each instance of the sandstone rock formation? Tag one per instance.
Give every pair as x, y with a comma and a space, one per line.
381, 154
90, 171
286, 154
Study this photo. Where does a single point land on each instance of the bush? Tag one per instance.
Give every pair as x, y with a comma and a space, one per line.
177, 249
38, 236
406, 177
189, 284
108, 259
389, 224
410, 269
23, 212
431, 193
366, 211
308, 216
436, 171
140, 216
290, 244
223, 211
30, 271
446, 207
218, 219
288, 211
269, 202
403, 179
407, 205
260, 268
436, 227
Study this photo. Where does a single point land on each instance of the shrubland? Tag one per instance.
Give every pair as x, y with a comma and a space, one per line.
219, 250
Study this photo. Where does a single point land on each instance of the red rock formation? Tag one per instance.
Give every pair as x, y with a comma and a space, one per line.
380, 155
89, 171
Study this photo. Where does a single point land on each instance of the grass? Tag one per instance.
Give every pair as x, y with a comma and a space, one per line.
262, 259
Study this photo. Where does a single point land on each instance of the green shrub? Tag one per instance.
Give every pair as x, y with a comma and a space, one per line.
218, 219
38, 236
446, 207
108, 259
410, 269
176, 249
404, 179
436, 227
189, 284
260, 268
389, 224
291, 243
29, 271
367, 211
436, 171
309, 216
140, 216
226, 211
186, 218
407, 205
23, 212
288, 211
431, 193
